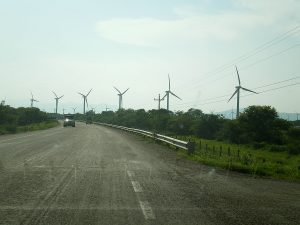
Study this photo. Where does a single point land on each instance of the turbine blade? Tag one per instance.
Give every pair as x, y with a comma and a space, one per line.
117, 90
237, 72
174, 95
169, 82
245, 89
87, 104
89, 92
163, 98
55, 94
125, 91
233, 94
80, 94
60, 97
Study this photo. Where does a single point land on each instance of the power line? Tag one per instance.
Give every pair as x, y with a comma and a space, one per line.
263, 91
257, 50
253, 52
252, 64
279, 82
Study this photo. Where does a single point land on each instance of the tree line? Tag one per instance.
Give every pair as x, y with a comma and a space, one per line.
12, 118
257, 125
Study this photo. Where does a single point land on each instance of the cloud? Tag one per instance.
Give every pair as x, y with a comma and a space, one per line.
191, 25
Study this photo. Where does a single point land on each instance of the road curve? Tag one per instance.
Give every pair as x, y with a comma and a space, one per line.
98, 175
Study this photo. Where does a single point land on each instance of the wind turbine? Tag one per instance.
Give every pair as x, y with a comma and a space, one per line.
94, 109
3, 102
56, 101
168, 92
159, 100
85, 100
32, 100
74, 109
121, 97
237, 91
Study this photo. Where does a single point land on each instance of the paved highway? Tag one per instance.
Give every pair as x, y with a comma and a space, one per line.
98, 175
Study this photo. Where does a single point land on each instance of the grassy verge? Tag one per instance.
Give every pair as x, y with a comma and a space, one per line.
243, 158
11, 129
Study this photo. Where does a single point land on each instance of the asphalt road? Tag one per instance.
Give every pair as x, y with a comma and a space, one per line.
97, 175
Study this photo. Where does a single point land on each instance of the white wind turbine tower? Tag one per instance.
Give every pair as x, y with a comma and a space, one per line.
237, 92
85, 100
32, 100
168, 92
121, 97
56, 101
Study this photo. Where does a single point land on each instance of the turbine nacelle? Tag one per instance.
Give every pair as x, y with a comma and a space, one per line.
120, 96
85, 99
168, 92
237, 92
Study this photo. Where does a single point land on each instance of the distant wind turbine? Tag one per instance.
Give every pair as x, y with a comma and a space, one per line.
237, 92
85, 100
74, 109
121, 97
159, 100
168, 92
32, 100
56, 101
3, 102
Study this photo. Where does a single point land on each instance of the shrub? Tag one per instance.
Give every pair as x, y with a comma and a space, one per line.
278, 148
294, 149
11, 128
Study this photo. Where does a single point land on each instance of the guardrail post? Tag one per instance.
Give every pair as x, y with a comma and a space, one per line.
191, 147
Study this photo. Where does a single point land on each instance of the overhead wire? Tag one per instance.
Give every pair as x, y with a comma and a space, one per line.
253, 52
227, 95
250, 65
257, 50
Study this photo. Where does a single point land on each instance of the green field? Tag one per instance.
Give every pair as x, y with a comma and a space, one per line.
245, 159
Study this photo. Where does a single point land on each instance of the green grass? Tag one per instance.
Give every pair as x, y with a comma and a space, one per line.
12, 129
245, 159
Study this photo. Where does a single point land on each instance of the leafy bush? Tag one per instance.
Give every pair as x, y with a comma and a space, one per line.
294, 149
278, 148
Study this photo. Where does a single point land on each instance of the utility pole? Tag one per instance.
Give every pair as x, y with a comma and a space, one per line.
232, 114
159, 100
63, 111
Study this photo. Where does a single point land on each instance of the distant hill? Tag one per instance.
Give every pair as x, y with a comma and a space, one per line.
283, 115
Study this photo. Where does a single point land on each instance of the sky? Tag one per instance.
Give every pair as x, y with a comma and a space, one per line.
71, 46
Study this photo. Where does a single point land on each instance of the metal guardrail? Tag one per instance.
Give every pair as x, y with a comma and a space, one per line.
189, 146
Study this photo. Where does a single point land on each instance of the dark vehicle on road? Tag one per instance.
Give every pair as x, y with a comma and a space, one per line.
69, 120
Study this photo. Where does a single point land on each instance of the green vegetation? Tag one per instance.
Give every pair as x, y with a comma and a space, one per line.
245, 158
14, 120
259, 142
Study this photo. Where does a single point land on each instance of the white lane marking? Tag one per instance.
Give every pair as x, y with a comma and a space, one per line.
147, 210
136, 186
130, 173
